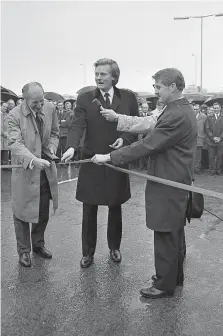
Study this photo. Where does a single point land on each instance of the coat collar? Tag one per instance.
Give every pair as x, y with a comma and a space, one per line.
26, 109
116, 98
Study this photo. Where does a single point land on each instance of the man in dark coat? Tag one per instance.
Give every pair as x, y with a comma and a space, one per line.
171, 146
98, 185
214, 132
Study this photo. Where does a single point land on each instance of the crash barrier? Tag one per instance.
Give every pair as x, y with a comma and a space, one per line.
170, 183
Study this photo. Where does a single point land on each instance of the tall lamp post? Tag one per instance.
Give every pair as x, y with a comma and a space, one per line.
84, 69
201, 17
195, 69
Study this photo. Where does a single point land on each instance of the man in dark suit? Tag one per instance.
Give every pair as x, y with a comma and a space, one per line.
171, 146
100, 185
214, 131
64, 118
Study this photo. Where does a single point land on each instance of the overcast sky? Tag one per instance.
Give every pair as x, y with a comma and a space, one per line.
46, 41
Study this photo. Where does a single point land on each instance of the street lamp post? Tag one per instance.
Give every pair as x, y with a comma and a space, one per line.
84, 70
195, 69
201, 17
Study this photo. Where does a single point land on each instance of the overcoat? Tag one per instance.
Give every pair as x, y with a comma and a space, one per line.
25, 144
4, 128
100, 185
201, 118
171, 147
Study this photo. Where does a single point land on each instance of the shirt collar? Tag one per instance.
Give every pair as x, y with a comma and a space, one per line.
111, 93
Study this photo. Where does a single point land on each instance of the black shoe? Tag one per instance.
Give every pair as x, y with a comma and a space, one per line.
180, 280
43, 252
86, 261
24, 259
115, 255
212, 173
154, 293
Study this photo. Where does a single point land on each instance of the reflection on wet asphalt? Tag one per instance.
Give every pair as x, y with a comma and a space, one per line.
55, 297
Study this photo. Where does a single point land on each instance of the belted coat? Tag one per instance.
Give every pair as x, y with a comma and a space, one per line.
170, 148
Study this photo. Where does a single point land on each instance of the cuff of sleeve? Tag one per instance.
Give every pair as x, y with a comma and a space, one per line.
31, 165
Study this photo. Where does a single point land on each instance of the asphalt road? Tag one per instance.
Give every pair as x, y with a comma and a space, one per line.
58, 298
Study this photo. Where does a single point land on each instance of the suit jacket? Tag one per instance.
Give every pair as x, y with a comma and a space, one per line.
171, 146
4, 128
214, 128
25, 144
200, 129
100, 185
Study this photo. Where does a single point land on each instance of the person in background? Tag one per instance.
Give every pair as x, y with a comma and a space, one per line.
4, 134
214, 131
145, 109
210, 111
33, 131
11, 104
158, 110
19, 101
68, 107
64, 118
201, 118
204, 109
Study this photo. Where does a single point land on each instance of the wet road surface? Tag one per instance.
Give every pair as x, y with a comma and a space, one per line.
58, 298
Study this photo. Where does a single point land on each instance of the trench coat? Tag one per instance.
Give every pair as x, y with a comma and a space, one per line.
171, 147
100, 185
25, 144
201, 118
4, 128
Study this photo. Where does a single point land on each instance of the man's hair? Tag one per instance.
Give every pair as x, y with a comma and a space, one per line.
170, 75
26, 88
217, 103
60, 101
114, 68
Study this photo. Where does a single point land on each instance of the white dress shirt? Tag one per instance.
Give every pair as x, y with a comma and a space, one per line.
111, 94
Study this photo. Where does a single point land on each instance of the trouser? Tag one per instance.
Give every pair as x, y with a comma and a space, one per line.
22, 229
197, 164
89, 228
169, 257
215, 157
4, 157
205, 159
61, 146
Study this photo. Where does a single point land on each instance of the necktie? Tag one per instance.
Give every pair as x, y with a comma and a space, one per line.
107, 100
39, 123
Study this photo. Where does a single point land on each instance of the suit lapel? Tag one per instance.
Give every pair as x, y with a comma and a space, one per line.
116, 99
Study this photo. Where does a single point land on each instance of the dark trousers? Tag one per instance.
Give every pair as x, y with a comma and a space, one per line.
61, 146
89, 228
215, 157
197, 164
4, 157
22, 229
169, 257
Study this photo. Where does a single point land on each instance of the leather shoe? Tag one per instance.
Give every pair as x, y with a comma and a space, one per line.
43, 252
180, 280
24, 259
154, 293
86, 261
115, 255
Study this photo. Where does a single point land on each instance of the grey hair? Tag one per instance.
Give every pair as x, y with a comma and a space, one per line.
114, 68
170, 75
27, 86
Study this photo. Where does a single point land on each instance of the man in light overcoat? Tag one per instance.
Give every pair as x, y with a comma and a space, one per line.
33, 130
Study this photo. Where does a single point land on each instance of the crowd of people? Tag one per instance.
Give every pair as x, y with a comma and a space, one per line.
209, 154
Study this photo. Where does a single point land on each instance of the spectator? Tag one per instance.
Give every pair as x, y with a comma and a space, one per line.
64, 118
11, 104
204, 108
214, 131
201, 118
4, 134
19, 101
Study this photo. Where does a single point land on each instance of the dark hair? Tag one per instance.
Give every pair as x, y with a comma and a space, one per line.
217, 103
26, 87
170, 75
115, 71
